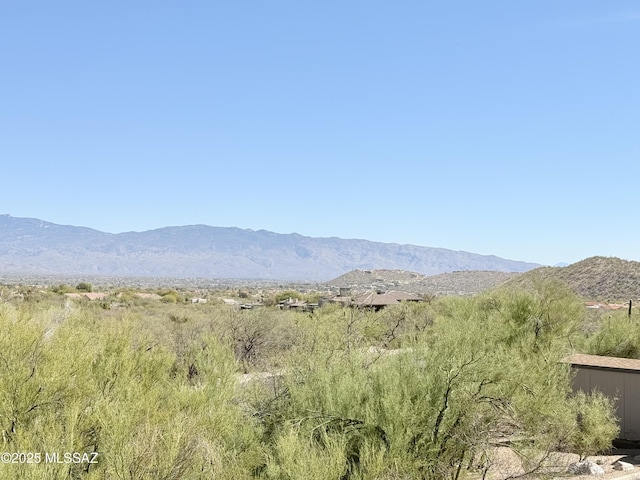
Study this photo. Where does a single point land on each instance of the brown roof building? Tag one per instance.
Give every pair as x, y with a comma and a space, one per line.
378, 300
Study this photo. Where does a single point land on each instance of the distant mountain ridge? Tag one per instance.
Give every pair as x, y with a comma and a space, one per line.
34, 246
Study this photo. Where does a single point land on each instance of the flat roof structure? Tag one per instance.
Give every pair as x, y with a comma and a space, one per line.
598, 361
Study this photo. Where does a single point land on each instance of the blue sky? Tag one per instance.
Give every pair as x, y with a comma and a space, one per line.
504, 128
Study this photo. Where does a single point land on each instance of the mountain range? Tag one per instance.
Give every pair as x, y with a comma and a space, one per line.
36, 247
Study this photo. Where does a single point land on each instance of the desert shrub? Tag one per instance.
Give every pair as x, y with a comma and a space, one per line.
404, 323
170, 298
485, 369
260, 338
154, 387
76, 382
62, 289
616, 336
595, 424
169, 295
295, 455
84, 287
548, 316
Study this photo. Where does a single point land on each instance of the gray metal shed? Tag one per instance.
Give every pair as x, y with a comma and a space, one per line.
617, 378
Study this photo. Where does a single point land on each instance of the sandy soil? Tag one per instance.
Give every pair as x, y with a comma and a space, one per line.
607, 461
507, 465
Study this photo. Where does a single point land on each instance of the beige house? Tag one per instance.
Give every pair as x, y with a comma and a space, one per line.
618, 378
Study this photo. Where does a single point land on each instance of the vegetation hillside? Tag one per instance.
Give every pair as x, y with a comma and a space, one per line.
608, 279
467, 282
359, 277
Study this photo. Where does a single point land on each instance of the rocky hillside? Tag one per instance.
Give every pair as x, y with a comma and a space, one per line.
359, 277
465, 283
451, 283
32, 246
608, 279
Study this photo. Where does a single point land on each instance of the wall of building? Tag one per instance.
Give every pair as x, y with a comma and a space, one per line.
624, 386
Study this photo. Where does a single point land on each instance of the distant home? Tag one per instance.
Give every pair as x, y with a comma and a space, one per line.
89, 295
618, 378
295, 304
231, 302
376, 300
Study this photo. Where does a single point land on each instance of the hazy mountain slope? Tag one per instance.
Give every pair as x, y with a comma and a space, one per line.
35, 246
594, 278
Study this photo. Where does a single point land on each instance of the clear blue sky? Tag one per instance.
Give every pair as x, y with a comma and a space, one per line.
502, 127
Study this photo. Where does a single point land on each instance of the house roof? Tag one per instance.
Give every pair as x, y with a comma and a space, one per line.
375, 299
299, 303
598, 361
231, 301
293, 303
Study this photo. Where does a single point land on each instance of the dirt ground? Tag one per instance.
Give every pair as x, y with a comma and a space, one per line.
607, 461
507, 465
